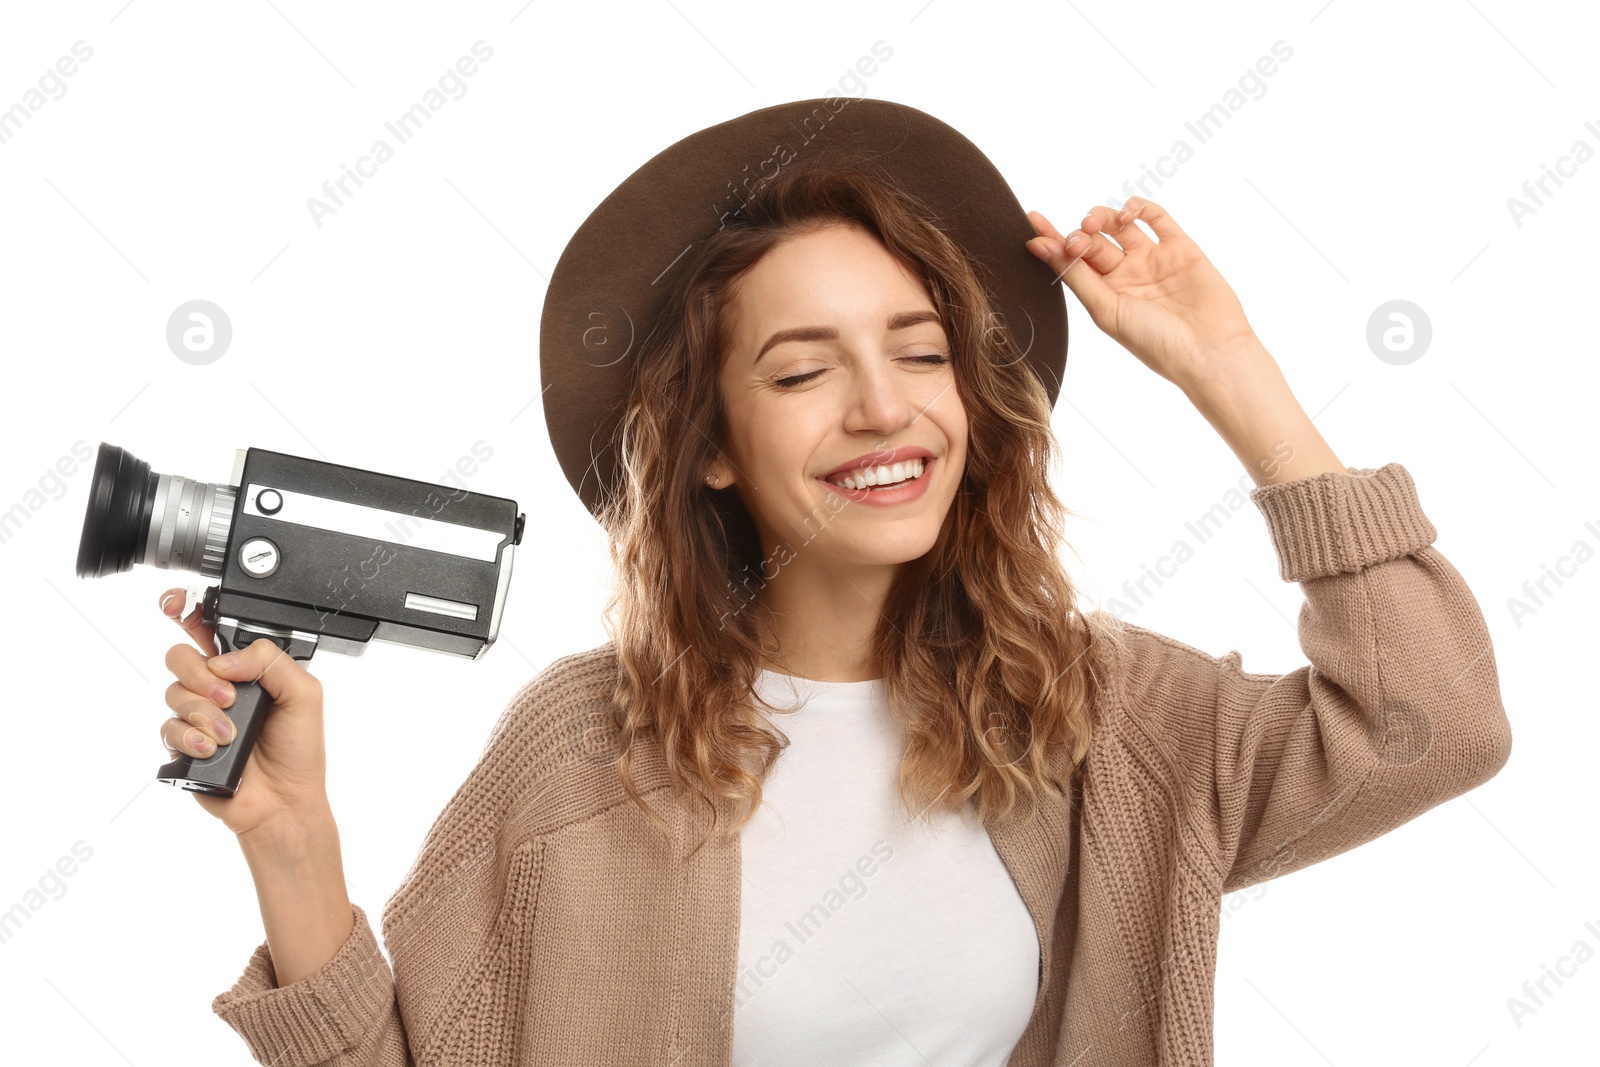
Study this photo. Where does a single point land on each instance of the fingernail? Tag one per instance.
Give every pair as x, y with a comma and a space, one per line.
220, 663
1039, 249
224, 729
197, 740
222, 694
1074, 241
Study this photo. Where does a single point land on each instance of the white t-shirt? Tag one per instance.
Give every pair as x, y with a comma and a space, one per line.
865, 938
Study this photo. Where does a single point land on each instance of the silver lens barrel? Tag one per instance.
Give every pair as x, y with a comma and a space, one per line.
189, 525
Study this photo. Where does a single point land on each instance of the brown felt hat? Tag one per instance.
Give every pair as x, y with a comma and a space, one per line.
613, 274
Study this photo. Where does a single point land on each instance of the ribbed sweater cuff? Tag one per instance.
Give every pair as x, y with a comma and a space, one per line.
321, 1015
1333, 523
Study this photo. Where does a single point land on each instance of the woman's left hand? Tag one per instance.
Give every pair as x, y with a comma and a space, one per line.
1162, 300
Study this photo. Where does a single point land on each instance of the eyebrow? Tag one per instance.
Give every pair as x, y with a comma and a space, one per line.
828, 333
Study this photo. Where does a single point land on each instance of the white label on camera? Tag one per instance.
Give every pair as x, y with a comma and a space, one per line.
419, 529
439, 606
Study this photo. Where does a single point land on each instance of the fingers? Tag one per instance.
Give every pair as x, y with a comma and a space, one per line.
1101, 254
280, 674
203, 690
1154, 216
204, 636
181, 739
198, 679
198, 727
197, 699
1053, 248
1042, 226
1062, 252
1118, 225
1085, 281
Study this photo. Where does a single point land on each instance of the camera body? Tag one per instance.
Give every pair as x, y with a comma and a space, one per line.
307, 554
353, 556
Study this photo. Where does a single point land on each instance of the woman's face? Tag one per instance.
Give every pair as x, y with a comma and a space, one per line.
856, 383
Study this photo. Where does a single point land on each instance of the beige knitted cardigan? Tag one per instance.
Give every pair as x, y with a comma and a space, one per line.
546, 922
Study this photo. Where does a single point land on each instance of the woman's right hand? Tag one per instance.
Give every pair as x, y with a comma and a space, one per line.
284, 780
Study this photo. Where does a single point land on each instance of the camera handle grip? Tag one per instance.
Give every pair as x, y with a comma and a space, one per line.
218, 774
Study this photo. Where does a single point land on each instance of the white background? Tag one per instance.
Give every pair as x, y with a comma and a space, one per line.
1376, 163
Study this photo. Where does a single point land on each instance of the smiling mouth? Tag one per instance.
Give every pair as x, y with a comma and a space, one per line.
926, 464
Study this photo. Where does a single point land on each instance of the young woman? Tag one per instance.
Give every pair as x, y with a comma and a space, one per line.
855, 781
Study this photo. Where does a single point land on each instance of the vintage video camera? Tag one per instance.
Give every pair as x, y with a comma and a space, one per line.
308, 555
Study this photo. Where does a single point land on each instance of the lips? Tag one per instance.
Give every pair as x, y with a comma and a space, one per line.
876, 497
881, 458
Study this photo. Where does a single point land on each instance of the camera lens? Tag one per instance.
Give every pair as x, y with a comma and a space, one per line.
120, 499
138, 516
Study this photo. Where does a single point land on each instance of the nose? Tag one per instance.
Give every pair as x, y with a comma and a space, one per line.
881, 398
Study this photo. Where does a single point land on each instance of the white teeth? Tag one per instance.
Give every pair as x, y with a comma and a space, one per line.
883, 475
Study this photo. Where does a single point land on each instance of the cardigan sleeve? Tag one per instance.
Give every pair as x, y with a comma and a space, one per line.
452, 931
345, 1013
1397, 711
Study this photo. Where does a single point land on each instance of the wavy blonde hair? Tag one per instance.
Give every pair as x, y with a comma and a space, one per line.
986, 660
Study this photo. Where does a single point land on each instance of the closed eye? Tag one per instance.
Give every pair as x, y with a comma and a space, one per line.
933, 358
